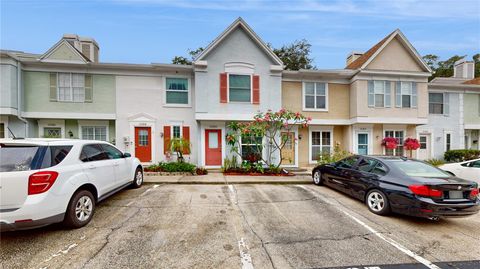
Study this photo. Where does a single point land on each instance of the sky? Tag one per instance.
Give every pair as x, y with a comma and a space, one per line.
154, 31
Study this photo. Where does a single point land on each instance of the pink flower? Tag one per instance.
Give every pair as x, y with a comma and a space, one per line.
309, 118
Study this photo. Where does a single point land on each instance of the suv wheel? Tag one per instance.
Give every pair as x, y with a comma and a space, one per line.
138, 179
80, 209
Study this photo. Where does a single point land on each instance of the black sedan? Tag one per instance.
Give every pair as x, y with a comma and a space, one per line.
400, 185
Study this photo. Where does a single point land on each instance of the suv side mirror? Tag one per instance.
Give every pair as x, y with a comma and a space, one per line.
127, 155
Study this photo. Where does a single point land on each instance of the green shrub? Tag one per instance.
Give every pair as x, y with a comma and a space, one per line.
435, 162
172, 167
459, 155
335, 156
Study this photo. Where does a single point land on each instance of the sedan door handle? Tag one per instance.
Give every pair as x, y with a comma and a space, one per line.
92, 167
116, 164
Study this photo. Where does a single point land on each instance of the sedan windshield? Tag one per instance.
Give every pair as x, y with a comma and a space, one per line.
419, 169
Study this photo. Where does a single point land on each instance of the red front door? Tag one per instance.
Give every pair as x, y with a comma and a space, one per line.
143, 144
213, 147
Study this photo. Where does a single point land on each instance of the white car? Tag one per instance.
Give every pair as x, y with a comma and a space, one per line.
44, 181
469, 170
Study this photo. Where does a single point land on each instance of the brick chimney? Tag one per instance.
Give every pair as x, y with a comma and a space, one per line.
353, 56
464, 69
86, 45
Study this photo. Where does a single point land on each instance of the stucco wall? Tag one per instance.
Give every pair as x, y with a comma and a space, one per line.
237, 47
439, 124
143, 96
8, 86
394, 57
37, 95
64, 53
359, 91
338, 97
472, 109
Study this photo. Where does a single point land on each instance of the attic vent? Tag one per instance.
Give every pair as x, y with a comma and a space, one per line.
86, 50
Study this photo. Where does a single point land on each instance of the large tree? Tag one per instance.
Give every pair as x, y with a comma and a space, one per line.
476, 59
445, 68
295, 56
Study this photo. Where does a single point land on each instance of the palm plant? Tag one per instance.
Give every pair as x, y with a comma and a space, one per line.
179, 146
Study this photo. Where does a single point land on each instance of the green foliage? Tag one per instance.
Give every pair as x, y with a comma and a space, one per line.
336, 156
267, 130
229, 164
295, 56
459, 155
192, 54
435, 162
171, 167
179, 146
445, 68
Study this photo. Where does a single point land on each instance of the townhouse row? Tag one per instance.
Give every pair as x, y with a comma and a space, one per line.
67, 92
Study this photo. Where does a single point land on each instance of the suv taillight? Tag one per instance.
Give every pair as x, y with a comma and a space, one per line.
41, 181
474, 194
423, 190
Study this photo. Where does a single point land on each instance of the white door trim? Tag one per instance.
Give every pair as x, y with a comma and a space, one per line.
205, 125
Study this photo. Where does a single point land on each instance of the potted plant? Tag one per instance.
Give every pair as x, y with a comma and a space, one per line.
390, 142
179, 146
411, 144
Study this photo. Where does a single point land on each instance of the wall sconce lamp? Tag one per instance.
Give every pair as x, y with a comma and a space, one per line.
300, 137
70, 133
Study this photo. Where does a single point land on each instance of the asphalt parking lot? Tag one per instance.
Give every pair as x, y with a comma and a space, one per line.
244, 226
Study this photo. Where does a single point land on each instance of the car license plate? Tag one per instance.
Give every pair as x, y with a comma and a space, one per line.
455, 194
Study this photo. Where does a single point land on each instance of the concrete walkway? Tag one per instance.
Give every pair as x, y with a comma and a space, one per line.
219, 178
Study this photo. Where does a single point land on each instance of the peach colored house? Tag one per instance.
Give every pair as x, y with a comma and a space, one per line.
380, 93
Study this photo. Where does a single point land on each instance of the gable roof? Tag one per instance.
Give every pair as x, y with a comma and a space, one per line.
475, 81
240, 23
70, 46
362, 61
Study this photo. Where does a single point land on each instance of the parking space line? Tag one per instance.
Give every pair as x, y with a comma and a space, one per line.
389, 240
149, 189
245, 257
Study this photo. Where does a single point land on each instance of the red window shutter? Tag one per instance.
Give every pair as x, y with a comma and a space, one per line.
166, 139
223, 87
186, 136
256, 89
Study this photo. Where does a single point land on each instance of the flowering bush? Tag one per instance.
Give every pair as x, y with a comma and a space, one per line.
273, 127
390, 142
411, 144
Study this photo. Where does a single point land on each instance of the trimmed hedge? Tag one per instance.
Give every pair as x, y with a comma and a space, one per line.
459, 155
172, 167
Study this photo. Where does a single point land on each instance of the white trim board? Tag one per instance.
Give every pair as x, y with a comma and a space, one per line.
68, 115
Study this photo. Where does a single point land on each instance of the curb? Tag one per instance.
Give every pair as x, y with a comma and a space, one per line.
229, 182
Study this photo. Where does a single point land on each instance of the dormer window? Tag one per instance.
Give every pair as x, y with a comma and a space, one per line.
239, 88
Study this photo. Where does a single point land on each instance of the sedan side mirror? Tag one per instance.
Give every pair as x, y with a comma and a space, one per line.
127, 155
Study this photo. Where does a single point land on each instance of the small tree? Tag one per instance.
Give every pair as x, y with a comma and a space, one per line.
179, 146
390, 142
269, 130
411, 144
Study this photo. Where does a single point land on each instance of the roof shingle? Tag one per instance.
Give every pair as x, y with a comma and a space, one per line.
475, 81
366, 56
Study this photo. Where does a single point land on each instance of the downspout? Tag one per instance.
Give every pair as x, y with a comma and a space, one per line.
19, 97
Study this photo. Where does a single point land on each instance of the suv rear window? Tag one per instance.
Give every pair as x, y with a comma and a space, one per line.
18, 158
26, 157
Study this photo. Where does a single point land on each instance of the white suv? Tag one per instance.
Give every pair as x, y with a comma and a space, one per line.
44, 181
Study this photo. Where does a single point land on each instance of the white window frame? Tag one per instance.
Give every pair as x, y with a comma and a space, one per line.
384, 84
318, 129
445, 133
242, 144
52, 124
404, 137
189, 85
251, 87
363, 129
304, 108
402, 94
71, 100
443, 103
94, 124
